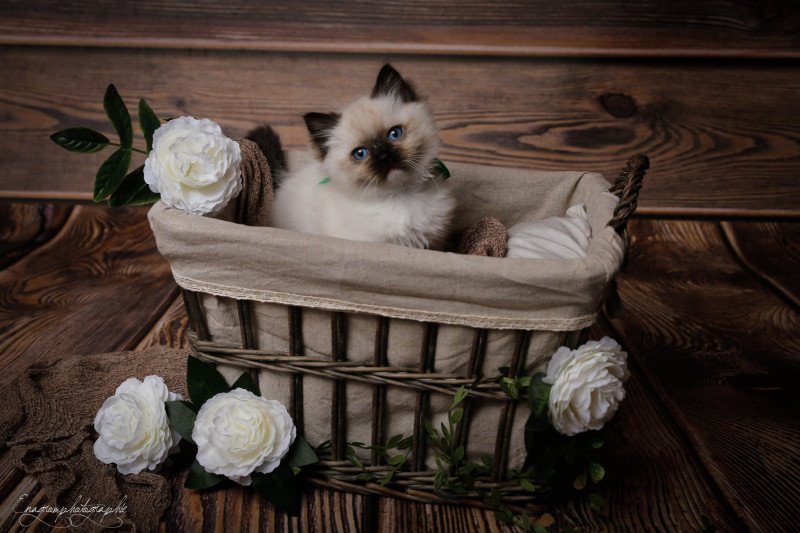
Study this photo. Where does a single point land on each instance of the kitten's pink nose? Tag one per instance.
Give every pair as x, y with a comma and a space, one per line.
393, 174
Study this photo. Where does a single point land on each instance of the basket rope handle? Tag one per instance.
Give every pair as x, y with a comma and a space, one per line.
626, 188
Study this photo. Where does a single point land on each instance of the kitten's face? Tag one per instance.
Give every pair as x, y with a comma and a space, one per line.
382, 143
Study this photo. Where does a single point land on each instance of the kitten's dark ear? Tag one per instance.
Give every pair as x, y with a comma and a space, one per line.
320, 126
390, 82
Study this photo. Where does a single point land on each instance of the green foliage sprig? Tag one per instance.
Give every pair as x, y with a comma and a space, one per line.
280, 487
457, 474
394, 453
449, 454
113, 183
515, 387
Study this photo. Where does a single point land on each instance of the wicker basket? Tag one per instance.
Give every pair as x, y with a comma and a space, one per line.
286, 370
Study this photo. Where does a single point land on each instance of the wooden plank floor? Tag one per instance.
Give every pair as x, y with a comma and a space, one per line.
707, 437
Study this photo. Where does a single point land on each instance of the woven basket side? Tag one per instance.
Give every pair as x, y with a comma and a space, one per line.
416, 482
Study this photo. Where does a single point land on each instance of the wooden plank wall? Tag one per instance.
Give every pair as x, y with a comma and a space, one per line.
710, 90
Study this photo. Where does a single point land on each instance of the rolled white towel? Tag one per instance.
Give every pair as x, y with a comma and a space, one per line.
564, 237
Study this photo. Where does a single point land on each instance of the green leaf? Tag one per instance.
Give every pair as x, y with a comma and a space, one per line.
487, 460
596, 442
280, 488
300, 454
527, 485
323, 447
458, 453
181, 418
111, 173
394, 441
365, 476
538, 395
597, 503
324, 180
133, 191
83, 140
118, 115
203, 381
440, 167
355, 460
398, 460
509, 386
538, 433
199, 479
597, 472
247, 383
148, 122
460, 395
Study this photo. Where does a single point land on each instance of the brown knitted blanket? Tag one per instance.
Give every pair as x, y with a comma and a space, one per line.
47, 423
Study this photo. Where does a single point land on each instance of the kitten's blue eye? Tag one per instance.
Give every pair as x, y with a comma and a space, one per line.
360, 153
395, 133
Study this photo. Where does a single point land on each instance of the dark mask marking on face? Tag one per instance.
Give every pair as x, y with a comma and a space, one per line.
385, 157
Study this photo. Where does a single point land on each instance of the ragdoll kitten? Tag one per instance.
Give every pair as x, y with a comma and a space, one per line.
372, 177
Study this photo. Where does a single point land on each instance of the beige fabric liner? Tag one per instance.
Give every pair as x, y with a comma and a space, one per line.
274, 265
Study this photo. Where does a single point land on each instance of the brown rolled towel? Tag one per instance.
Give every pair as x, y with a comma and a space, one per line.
487, 237
255, 200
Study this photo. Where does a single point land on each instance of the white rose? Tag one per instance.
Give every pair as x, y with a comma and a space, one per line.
193, 166
133, 427
238, 433
587, 385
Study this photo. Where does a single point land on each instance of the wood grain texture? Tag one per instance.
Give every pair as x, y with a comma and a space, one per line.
725, 28
11, 504
722, 352
771, 250
723, 140
97, 287
10, 475
234, 508
170, 330
24, 227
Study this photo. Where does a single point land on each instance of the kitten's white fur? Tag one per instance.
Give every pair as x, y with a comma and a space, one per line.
410, 208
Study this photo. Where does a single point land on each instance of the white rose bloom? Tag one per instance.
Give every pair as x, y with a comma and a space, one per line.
133, 427
238, 433
587, 385
193, 166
